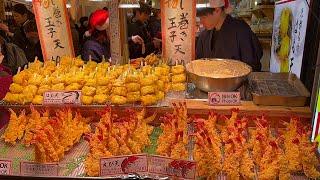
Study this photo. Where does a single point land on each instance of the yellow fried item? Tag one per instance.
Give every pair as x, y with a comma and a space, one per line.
20, 78
147, 90
133, 96
36, 80
86, 100
146, 81
178, 86
88, 91
148, 100
73, 87
43, 89
165, 78
30, 89
178, 69
115, 99
12, 98
103, 90
132, 87
160, 95
120, 91
132, 78
160, 85
16, 88
103, 81
16, 127
58, 87
180, 78
100, 98
26, 98
91, 81
57, 79
37, 100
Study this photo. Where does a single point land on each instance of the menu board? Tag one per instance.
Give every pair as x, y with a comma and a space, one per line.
53, 28
289, 31
178, 29
115, 41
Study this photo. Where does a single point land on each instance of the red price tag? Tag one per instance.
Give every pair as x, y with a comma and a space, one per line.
5, 167
62, 97
36, 169
167, 167
122, 165
224, 98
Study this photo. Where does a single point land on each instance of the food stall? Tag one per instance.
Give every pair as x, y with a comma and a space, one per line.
156, 118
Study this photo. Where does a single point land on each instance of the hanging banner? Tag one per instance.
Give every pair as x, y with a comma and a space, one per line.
115, 40
178, 23
289, 31
53, 28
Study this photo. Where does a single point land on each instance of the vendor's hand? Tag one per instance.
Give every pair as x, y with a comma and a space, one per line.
4, 28
157, 43
137, 39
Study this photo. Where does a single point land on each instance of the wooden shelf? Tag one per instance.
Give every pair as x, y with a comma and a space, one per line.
263, 11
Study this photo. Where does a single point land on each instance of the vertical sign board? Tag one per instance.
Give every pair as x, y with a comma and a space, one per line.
115, 40
53, 28
178, 29
289, 31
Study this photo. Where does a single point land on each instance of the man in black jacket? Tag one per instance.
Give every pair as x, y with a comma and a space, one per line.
138, 28
227, 37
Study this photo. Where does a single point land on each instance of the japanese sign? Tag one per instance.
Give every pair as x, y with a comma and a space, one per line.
178, 29
224, 98
35, 169
62, 97
289, 31
53, 28
124, 165
5, 167
167, 167
115, 41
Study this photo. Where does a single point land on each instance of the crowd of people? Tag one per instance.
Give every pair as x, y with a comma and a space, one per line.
20, 43
222, 36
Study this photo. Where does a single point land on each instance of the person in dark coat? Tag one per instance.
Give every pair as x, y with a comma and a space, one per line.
227, 37
33, 46
98, 45
155, 24
21, 16
138, 28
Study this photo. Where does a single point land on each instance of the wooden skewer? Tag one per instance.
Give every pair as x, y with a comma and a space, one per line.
19, 69
103, 58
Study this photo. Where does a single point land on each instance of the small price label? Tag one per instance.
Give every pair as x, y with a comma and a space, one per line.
5, 167
36, 169
62, 97
167, 167
224, 98
123, 165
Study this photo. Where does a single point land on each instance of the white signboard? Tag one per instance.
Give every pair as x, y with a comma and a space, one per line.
53, 28
178, 19
289, 31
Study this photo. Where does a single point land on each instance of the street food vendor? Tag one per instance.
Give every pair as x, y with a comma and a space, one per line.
141, 43
227, 37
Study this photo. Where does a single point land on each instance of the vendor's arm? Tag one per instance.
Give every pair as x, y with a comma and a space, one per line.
251, 50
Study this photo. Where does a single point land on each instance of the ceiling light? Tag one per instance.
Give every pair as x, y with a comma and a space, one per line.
129, 4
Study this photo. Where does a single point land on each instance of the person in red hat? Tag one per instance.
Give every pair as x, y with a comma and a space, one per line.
98, 44
226, 37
